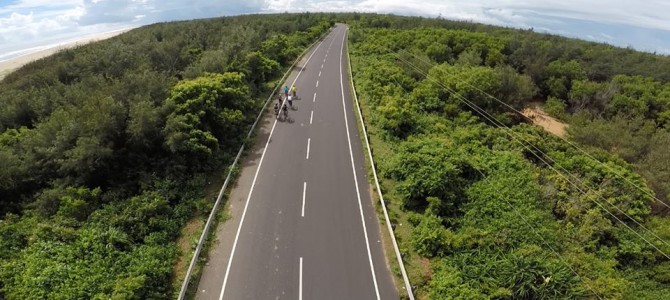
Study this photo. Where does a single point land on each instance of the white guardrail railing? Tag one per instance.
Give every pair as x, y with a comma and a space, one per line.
408, 287
212, 214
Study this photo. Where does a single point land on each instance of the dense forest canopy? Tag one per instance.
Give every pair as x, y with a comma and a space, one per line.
487, 206
104, 151
105, 148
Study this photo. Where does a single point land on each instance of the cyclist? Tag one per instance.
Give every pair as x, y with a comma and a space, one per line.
286, 90
293, 90
279, 98
290, 101
276, 110
285, 110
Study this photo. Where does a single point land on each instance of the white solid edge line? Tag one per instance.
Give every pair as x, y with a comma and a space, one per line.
300, 284
253, 184
353, 169
218, 199
304, 193
331, 45
244, 213
311, 116
408, 286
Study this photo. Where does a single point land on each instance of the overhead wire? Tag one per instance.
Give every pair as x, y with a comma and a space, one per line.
640, 188
532, 228
551, 159
510, 132
516, 211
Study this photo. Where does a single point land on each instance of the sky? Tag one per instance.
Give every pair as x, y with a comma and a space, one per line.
31, 25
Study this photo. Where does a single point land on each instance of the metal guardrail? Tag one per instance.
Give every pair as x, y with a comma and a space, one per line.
212, 214
408, 287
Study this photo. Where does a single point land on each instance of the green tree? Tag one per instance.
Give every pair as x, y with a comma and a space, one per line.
429, 237
439, 52
259, 68
469, 58
205, 111
561, 75
555, 107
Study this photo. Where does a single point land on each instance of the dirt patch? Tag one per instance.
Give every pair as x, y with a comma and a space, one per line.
541, 118
187, 237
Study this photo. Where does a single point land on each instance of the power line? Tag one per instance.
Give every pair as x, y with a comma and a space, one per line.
545, 241
550, 158
532, 228
499, 124
640, 188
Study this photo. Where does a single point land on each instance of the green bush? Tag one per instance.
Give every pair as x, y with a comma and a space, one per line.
555, 107
102, 150
490, 216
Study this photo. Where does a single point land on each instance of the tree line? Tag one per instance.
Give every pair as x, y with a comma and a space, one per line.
105, 149
487, 206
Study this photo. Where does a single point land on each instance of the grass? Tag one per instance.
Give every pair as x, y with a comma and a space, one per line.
190, 233
419, 270
188, 239
387, 243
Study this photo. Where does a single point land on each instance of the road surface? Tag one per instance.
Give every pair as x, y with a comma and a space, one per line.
303, 225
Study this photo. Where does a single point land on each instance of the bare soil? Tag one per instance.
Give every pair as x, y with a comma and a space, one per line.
541, 118
185, 244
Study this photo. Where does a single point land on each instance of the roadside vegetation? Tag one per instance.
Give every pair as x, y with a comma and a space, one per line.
105, 149
488, 206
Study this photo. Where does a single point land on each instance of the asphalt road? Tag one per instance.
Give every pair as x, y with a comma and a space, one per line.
303, 225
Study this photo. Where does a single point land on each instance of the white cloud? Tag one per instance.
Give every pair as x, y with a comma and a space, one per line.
27, 22
37, 4
648, 14
16, 20
110, 11
19, 27
276, 5
22, 26
621, 19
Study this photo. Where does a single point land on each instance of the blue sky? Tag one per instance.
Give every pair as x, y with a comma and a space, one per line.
29, 25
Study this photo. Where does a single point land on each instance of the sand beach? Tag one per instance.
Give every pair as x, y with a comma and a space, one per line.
12, 64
